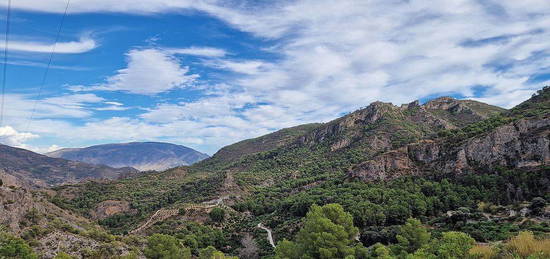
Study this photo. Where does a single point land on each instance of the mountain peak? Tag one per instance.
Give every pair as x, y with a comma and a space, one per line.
140, 155
441, 103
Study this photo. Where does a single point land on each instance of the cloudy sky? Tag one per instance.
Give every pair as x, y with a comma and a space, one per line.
207, 73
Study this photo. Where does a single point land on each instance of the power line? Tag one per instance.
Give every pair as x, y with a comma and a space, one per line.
45, 76
5, 68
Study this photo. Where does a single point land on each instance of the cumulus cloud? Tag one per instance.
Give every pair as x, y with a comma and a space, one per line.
83, 45
149, 72
10, 136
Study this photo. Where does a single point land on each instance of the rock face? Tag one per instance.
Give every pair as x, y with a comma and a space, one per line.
17, 200
384, 126
109, 208
140, 155
41, 170
521, 144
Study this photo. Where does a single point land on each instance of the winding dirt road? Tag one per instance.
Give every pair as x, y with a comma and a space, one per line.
269, 234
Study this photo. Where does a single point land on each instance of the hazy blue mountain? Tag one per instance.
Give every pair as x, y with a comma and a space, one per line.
140, 155
41, 170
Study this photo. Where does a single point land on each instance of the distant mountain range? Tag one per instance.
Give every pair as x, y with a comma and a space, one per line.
140, 155
40, 170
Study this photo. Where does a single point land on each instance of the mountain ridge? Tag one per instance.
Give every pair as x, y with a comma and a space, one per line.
42, 170
143, 156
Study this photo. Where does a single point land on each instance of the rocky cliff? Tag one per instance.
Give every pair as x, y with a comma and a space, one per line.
523, 142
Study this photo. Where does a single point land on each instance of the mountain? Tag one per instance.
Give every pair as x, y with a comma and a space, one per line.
342, 143
140, 155
458, 165
42, 170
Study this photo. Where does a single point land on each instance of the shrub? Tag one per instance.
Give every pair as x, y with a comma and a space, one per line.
161, 246
62, 255
14, 247
217, 214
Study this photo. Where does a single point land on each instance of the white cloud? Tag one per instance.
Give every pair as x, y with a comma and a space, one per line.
83, 45
197, 51
111, 108
122, 6
19, 107
9, 136
114, 103
350, 53
250, 67
149, 72
52, 148
507, 99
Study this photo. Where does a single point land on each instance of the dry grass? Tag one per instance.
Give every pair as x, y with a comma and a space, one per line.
483, 252
525, 244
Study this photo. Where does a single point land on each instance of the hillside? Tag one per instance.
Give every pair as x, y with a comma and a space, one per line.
140, 155
335, 146
47, 171
234, 152
50, 230
456, 166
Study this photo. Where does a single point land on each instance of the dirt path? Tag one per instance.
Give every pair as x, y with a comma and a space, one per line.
269, 234
230, 188
159, 215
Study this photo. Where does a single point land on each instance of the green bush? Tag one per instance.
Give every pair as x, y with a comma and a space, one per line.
161, 246
14, 247
217, 214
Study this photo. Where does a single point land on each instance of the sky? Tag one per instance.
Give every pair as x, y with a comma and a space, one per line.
208, 73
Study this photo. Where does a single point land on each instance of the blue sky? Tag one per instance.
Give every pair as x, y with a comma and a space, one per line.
207, 73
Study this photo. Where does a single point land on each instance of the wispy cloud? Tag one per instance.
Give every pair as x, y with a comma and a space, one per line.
39, 64
197, 51
72, 47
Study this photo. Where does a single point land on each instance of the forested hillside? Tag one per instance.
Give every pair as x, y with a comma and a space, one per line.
446, 179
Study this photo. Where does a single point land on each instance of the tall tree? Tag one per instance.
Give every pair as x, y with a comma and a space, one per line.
328, 232
161, 246
412, 235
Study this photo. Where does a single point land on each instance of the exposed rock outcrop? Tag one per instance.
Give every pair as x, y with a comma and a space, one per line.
109, 208
17, 200
521, 144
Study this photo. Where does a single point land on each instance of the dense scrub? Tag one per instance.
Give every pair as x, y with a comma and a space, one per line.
146, 194
376, 207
